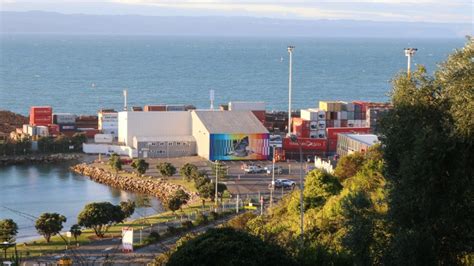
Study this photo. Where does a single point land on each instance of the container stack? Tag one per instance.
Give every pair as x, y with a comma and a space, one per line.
108, 122
374, 112
316, 121
87, 121
41, 115
66, 122
155, 108
175, 107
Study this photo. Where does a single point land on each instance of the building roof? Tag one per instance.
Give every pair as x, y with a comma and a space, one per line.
164, 138
368, 139
231, 122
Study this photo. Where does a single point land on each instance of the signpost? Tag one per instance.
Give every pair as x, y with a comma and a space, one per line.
127, 239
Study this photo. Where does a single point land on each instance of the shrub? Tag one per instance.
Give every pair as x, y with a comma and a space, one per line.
186, 225
214, 216
172, 230
201, 219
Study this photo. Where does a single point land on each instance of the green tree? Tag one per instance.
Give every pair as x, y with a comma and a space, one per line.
115, 163
166, 169
140, 165
178, 199
99, 216
429, 153
348, 166
204, 187
75, 231
226, 246
128, 208
318, 187
8, 231
188, 171
49, 224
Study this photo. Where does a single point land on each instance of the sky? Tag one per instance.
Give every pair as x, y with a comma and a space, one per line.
443, 11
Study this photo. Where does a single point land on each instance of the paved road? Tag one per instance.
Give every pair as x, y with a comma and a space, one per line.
108, 252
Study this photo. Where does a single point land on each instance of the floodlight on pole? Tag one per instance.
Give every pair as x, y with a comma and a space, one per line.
409, 53
290, 66
125, 100
295, 139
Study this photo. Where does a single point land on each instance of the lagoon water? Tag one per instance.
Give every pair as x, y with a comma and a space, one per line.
59, 70
29, 190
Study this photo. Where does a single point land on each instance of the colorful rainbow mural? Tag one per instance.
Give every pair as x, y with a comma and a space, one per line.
228, 147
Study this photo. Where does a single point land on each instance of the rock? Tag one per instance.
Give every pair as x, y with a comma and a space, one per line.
148, 185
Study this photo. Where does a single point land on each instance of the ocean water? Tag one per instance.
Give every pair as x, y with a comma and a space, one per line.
59, 70
29, 191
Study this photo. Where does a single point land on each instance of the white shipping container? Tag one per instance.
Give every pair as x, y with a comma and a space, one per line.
313, 114
313, 125
247, 106
64, 118
321, 134
351, 123
322, 124
108, 115
42, 131
337, 123
103, 138
25, 129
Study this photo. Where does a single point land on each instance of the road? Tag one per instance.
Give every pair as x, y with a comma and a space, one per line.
108, 251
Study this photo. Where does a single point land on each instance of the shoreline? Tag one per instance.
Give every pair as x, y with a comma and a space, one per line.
39, 158
151, 186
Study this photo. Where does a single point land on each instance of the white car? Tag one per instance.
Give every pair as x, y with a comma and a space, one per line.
284, 183
254, 169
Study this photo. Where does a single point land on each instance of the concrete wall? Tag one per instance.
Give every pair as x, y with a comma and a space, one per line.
165, 149
202, 137
109, 149
144, 124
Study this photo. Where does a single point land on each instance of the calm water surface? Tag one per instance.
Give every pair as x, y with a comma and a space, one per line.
32, 190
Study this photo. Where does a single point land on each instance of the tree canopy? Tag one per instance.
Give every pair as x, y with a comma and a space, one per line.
49, 224
166, 169
188, 171
226, 246
140, 165
99, 216
8, 230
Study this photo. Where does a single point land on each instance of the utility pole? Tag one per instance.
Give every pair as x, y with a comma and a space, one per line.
217, 174
409, 53
295, 139
290, 51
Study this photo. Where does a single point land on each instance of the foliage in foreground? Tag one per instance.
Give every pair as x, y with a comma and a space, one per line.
226, 246
99, 216
49, 224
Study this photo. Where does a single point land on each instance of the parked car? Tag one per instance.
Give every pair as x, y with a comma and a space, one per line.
284, 183
254, 169
278, 169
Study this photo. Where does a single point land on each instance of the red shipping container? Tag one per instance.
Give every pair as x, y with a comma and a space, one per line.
41, 110
41, 120
331, 133
260, 115
53, 129
343, 123
332, 145
155, 108
306, 144
300, 127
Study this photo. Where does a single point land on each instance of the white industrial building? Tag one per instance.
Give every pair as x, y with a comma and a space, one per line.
214, 135
108, 122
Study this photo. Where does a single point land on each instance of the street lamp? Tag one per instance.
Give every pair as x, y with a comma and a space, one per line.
217, 174
294, 139
409, 52
290, 51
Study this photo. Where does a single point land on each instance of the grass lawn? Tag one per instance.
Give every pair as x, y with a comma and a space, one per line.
39, 247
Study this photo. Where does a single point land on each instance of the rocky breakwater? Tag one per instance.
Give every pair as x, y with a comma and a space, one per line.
152, 186
39, 158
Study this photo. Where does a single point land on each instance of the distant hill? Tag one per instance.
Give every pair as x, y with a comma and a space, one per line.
49, 22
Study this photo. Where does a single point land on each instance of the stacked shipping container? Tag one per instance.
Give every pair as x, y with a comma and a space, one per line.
41, 115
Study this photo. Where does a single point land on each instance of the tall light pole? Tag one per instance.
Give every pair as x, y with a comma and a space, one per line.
409, 53
217, 174
273, 177
125, 100
290, 73
293, 138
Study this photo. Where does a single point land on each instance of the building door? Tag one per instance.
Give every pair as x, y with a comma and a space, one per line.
145, 154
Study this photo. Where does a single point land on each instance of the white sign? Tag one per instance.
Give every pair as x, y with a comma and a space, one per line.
127, 239
68, 234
